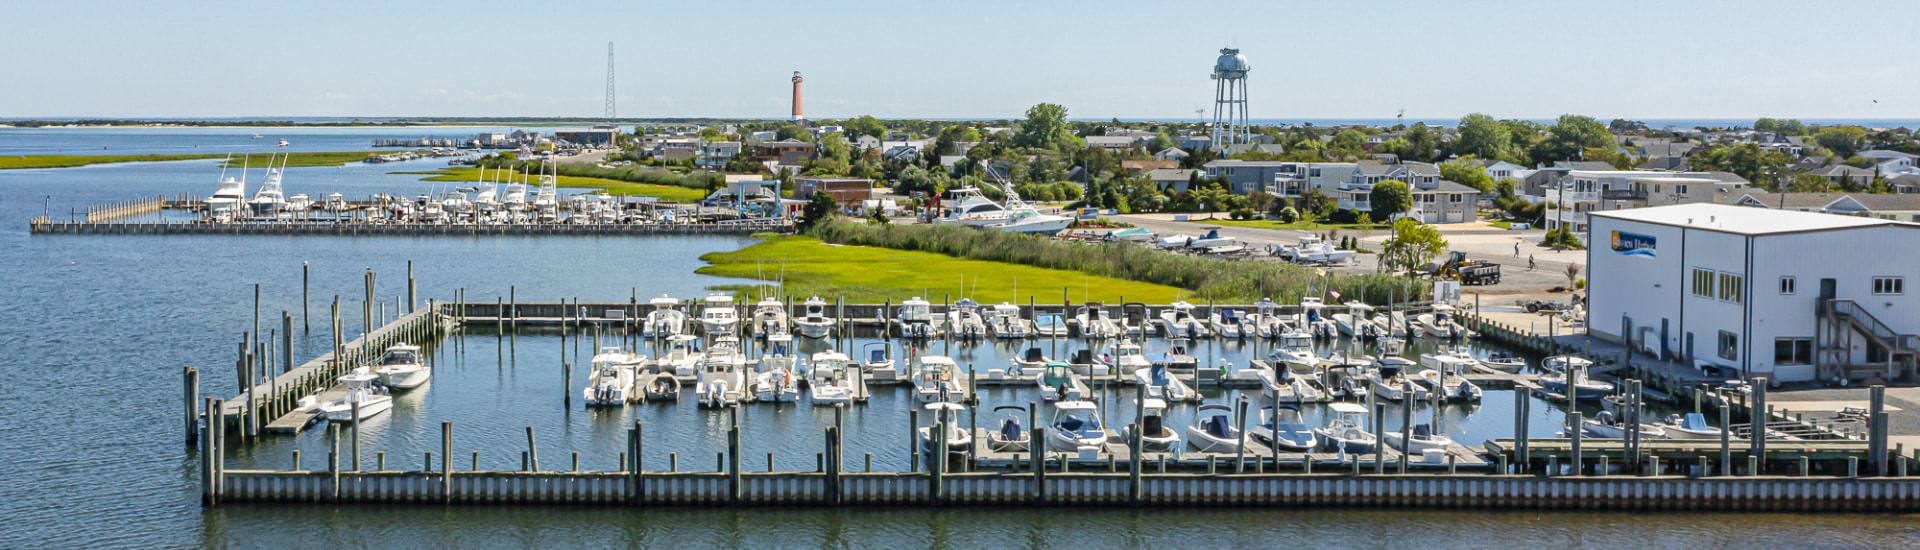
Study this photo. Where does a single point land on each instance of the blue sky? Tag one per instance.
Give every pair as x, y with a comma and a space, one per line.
1693, 59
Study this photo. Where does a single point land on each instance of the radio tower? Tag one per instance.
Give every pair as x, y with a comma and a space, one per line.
609, 83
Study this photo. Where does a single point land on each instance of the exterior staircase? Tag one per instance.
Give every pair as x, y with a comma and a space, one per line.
1843, 320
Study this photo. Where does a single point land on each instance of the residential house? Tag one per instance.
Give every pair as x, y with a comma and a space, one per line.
865, 142
760, 137
1141, 166
1582, 191
786, 151
1172, 154
1172, 180
1896, 207
716, 154
1892, 163
1905, 183
1503, 170
1434, 200
1844, 175
1111, 143
845, 191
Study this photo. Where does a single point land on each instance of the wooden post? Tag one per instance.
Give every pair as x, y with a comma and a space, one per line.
446, 461
1726, 436
356, 433
1523, 405
533, 452
1757, 416
1240, 448
1877, 429
913, 438
190, 393
733, 458
1574, 432
286, 342
1036, 452
306, 278
1406, 425
411, 289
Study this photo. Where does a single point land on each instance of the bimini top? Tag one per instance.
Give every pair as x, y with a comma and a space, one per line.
1743, 220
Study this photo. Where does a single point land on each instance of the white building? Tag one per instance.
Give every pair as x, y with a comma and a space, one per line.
1793, 296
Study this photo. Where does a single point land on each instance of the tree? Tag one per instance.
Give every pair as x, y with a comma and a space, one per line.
1484, 137
864, 125
1045, 127
1748, 160
1467, 172
1570, 137
1412, 245
1844, 141
1389, 198
817, 210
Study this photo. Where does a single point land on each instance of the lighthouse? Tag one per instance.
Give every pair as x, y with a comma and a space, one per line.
797, 117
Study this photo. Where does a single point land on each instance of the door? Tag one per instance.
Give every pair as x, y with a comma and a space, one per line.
1663, 340
1827, 291
1688, 348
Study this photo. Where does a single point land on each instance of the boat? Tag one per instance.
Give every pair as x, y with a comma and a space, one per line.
402, 367
914, 319
663, 388
1266, 320
1004, 321
1213, 430
1130, 234
1355, 321
1178, 321
1176, 358
282, 143
1128, 358
1347, 379
681, 359
1011, 436
1282, 430
1212, 240
1389, 379
937, 378
1605, 426
965, 320
1583, 388
1283, 386
231, 197
722, 379
1033, 358
1136, 320
1346, 430
1162, 384
1439, 323
1031, 221
1692, 425
1173, 241
1092, 321
1076, 427
814, 321
359, 386
1392, 324
1313, 322
971, 208
1321, 253
959, 439
1085, 363
258, 136
611, 380
1295, 350
1050, 325
270, 197
1564, 363
718, 316
1155, 436
1504, 362
878, 361
831, 379
1419, 440
1057, 382
1230, 323
1447, 378
776, 381
770, 317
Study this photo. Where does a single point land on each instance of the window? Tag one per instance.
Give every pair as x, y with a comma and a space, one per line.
1680, 189
1793, 351
1732, 288
1889, 285
1787, 285
1315, 172
1729, 346
1702, 283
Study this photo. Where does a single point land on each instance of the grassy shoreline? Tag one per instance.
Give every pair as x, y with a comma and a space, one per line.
293, 159
811, 267
611, 186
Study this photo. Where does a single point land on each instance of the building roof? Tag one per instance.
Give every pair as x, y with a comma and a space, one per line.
1170, 174
1591, 165
1445, 186
1844, 171
1883, 154
1739, 219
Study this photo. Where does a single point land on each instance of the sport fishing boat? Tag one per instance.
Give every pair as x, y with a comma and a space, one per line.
879, 361
1314, 322
1583, 388
937, 378
1057, 382
1213, 430
681, 360
776, 381
1390, 382
814, 321
1354, 322
1005, 322
965, 320
230, 198
1075, 426
1266, 320
1031, 221
1605, 426
1128, 358
1092, 321
959, 439
1693, 425
722, 378
1346, 430
970, 207
1178, 321
1176, 359
718, 316
360, 388
402, 367
612, 379
914, 319
1295, 350
1284, 386
1446, 375
1155, 436
770, 317
1230, 323
1504, 362
1049, 325
831, 379
1439, 323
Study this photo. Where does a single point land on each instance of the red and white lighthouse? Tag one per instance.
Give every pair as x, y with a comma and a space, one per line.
797, 117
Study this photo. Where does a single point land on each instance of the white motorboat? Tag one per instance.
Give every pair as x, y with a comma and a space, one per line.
1347, 379
1356, 321
1346, 430
965, 320
1583, 388
814, 321
914, 319
1422, 440
1448, 379
1173, 241
1230, 323
1282, 385
1050, 325
776, 384
1162, 384
663, 389
1439, 323
1031, 221
1057, 382
937, 378
611, 382
270, 197
681, 359
1178, 321
1212, 240
360, 388
722, 378
1031, 360
878, 362
959, 439
1128, 358
231, 197
1314, 322
1691, 426
718, 317
1176, 359
1213, 430
1011, 436
970, 207
1605, 426
1392, 324
1565, 363
1092, 321
1295, 350
1130, 235
403, 367
1267, 321
1504, 362
1005, 322
1076, 426
1390, 382
770, 317
1155, 436
1283, 430
831, 379
1322, 253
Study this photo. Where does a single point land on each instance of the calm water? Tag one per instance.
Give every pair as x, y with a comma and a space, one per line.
187, 141
97, 328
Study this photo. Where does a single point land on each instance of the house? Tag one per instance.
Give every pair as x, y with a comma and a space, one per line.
845, 191
865, 142
716, 154
760, 137
1582, 191
1434, 200
1892, 163
1245, 176
1750, 292
1905, 183
1896, 207
1239, 148
1286, 179
597, 136
1111, 143
901, 153
1171, 153
786, 151
1141, 166
1842, 174
1172, 180
1503, 170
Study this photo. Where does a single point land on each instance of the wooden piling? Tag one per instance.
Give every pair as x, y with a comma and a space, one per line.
190, 393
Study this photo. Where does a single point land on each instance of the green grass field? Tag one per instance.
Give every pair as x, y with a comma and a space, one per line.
1301, 225
295, 160
870, 274
616, 187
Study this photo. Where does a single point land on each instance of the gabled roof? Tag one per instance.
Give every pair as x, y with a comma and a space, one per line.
1883, 154
1844, 202
1843, 171
1582, 165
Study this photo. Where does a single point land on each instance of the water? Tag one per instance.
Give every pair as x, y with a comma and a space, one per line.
189, 141
97, 329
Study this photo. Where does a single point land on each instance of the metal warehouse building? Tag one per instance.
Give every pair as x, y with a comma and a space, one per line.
1794, 296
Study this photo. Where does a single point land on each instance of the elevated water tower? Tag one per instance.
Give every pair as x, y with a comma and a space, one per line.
1230, 99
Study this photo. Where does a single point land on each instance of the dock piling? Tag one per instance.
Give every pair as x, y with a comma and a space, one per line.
533, 452
190, 393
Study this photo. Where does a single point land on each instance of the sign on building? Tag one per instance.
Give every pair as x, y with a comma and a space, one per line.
1633, 244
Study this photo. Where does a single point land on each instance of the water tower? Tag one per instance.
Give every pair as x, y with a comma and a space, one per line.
1230, 99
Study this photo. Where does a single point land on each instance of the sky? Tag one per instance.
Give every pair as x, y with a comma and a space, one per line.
973, 59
